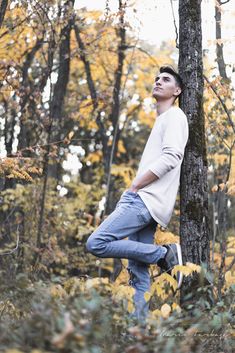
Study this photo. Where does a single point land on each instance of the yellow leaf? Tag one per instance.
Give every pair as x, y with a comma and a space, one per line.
194, 267
176, 307
231, 251
96, 282
214, 188
222, 186
147, 296
121, 147
156, 287
229, 278
231, 190
182, 268
156, 313
130, 306
163, 237
57, 291
70, 135
165, 277
94, 157
165, 310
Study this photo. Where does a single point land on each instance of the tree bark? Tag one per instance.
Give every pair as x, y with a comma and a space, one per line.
3, 9
194, 189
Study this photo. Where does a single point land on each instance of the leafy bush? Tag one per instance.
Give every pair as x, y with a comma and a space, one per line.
91, 315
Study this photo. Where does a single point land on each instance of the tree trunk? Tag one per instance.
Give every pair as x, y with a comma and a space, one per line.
61, 86
221, 197
56, 106
115, 111
26, 89
10, 122
193, 190
3, 9
219, 46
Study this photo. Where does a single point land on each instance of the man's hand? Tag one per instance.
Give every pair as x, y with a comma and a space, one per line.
142, 181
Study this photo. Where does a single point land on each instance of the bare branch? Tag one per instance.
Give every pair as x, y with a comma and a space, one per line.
176, 29
85, 60
15, 26
230, 161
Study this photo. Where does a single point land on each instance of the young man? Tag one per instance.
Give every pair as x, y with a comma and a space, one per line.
150, 199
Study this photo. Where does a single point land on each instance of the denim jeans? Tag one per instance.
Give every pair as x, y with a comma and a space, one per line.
131, 219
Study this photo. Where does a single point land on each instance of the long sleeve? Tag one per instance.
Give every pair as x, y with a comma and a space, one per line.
175, 137
163, 155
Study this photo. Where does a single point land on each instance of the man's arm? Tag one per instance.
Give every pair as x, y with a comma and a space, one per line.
142, 181
173, 145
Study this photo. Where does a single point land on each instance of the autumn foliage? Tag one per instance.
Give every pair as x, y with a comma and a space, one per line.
75, 112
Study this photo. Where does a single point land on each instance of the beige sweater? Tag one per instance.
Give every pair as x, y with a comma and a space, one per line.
163, 155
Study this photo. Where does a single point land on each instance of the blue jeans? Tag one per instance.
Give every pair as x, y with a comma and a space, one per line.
131, 219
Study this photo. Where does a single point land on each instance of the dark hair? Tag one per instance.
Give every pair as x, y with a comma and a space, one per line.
170, 70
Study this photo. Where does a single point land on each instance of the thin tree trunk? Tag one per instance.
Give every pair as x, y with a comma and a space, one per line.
93, 93
25, 135
219, 44
115, 111
60, 87
222, 197
194, 190
114, 117
10, 122
3, 9
55, 114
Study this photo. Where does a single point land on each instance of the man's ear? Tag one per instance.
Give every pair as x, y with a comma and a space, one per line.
177, 91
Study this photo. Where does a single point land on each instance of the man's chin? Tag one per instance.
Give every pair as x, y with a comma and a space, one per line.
157, 96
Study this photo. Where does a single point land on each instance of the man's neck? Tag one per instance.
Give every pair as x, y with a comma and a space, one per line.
163, 106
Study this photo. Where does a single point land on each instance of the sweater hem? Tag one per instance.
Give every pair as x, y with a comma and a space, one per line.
161, 223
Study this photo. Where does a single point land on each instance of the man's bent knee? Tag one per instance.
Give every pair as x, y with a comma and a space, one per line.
95, 246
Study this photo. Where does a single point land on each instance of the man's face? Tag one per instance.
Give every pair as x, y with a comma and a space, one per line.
165, 87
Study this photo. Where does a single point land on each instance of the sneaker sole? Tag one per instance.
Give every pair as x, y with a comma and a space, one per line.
179, 254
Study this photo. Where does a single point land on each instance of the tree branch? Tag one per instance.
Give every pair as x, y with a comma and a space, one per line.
221, 102
82, 53
176, 29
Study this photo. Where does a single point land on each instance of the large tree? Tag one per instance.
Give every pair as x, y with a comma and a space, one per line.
194, 197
